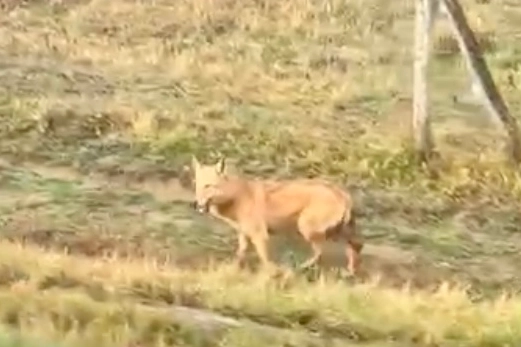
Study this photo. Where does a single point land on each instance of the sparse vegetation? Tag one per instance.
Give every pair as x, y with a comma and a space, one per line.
55, 294
102, 102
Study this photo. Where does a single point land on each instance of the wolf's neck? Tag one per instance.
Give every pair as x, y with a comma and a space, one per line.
231, 190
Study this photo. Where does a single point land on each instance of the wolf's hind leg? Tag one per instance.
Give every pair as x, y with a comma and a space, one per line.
354, 245
317, 246
311, 232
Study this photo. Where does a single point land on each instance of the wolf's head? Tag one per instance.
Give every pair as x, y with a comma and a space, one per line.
207, 179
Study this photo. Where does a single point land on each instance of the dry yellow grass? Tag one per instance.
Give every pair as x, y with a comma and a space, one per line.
83, 301
308, 87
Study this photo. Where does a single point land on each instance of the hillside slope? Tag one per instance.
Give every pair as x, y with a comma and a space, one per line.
103, 102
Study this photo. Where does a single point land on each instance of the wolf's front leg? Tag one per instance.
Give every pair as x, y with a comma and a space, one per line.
242, 247
257, 232
261, 247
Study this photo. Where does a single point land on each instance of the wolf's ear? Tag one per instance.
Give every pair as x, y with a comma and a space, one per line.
195, 162
220, 166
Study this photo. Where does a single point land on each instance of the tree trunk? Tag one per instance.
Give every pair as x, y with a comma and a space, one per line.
422, 132
483, 82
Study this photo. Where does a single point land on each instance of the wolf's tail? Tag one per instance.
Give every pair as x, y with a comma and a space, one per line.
351, 231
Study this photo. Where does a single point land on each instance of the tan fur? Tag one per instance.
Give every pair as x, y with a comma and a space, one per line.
316, 209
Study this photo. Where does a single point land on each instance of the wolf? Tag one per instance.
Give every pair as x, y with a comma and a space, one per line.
257, 208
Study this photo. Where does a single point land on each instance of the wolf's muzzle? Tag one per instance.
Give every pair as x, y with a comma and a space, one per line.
201, 208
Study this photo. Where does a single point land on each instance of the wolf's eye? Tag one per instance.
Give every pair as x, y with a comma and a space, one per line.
207, 186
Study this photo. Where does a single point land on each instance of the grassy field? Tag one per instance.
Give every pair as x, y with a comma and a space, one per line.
103, 102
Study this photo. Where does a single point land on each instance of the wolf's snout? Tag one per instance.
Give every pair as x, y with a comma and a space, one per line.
200, 207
